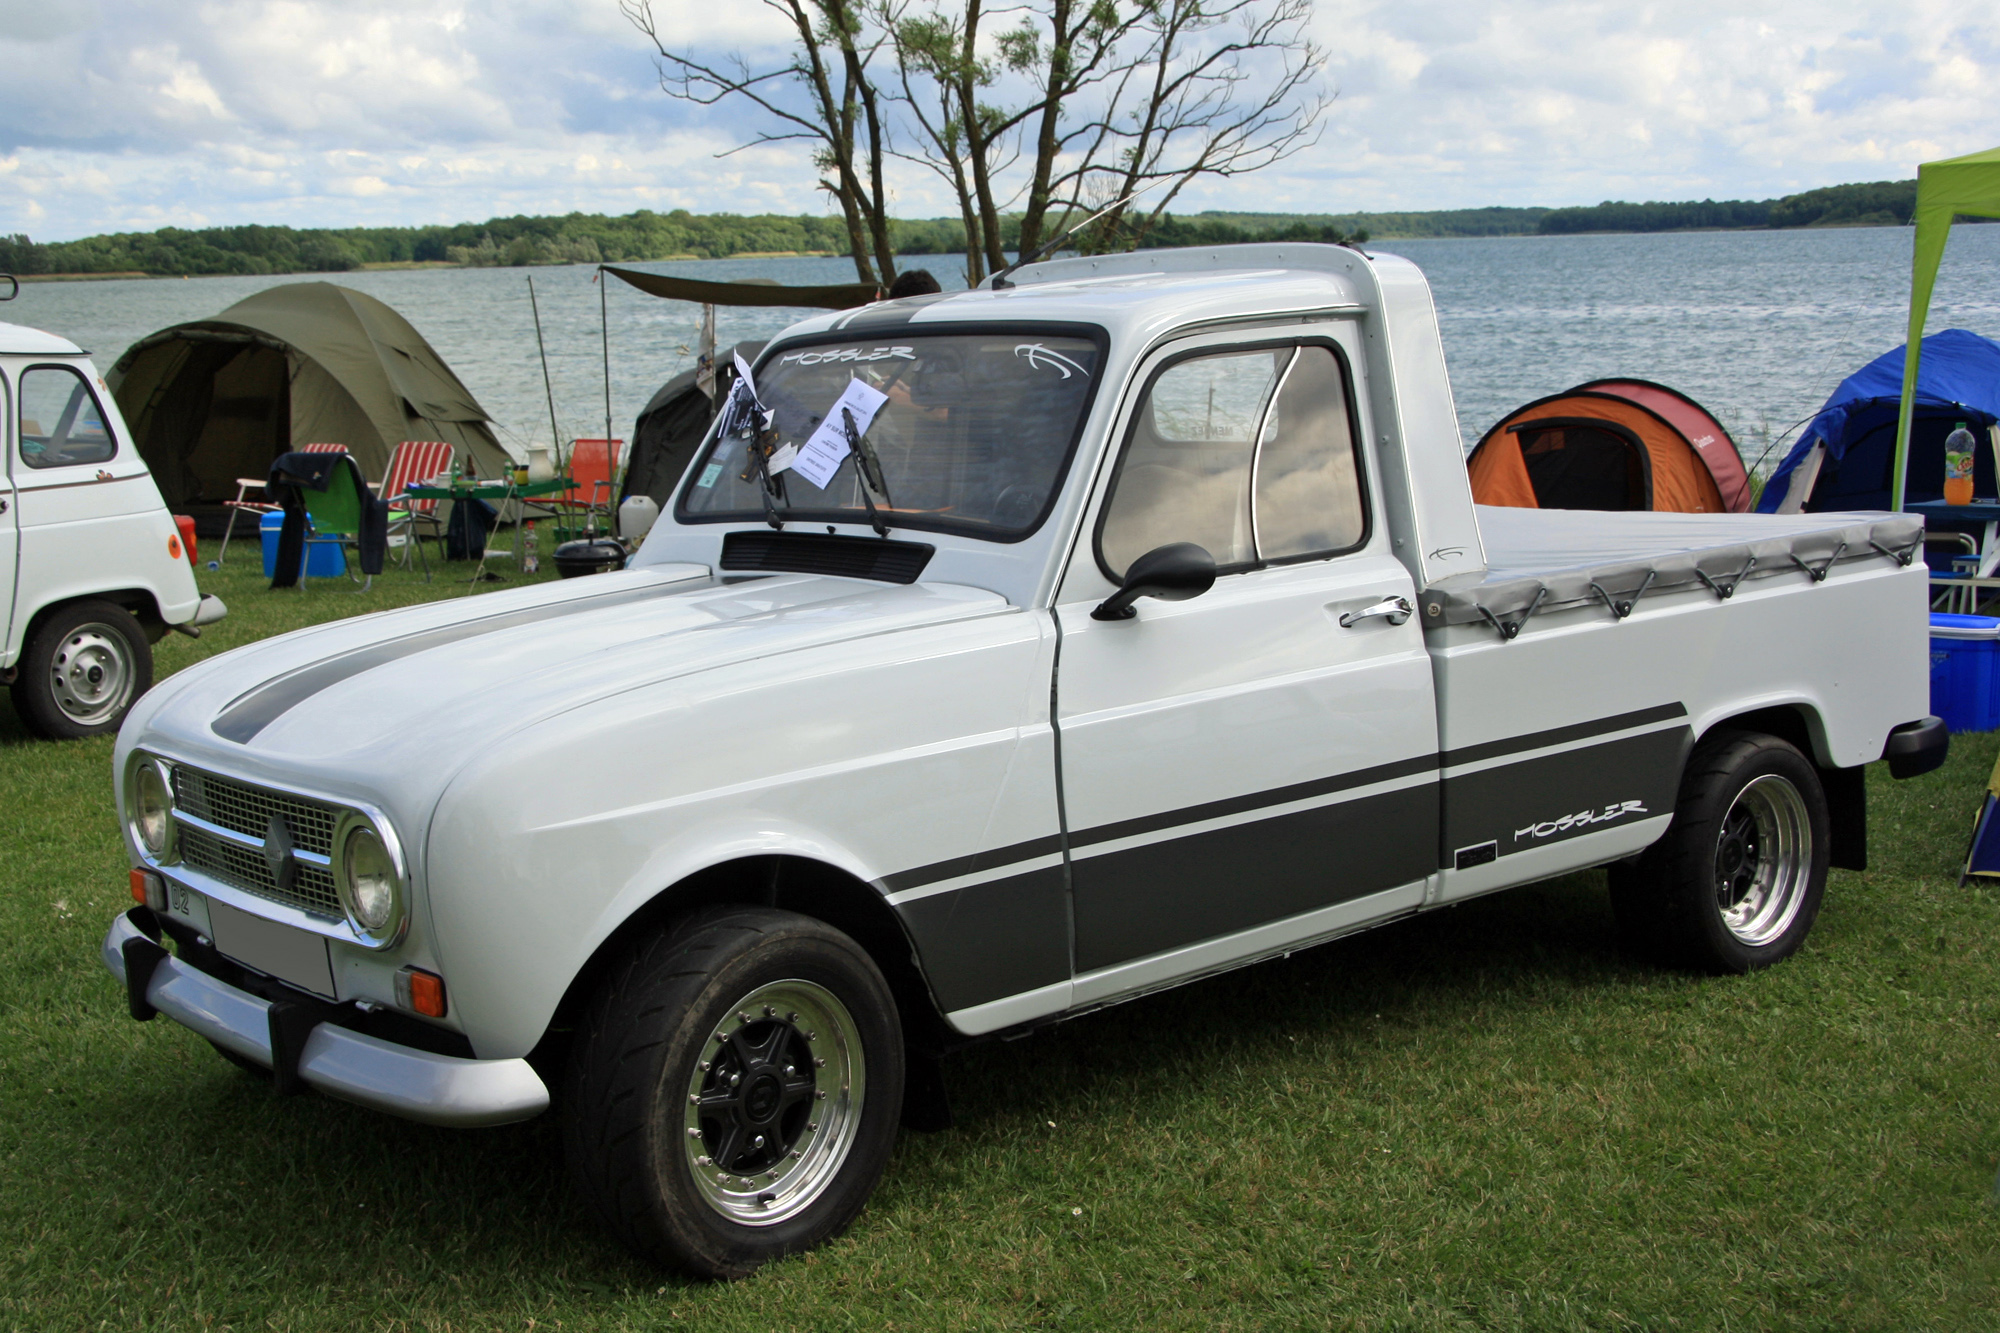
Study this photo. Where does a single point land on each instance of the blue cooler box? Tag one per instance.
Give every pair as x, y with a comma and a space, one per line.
325, 561
1965, 671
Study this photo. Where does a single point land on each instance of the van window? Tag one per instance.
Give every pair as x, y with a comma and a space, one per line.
61, 423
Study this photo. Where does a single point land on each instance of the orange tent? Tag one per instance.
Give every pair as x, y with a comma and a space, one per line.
1594, 447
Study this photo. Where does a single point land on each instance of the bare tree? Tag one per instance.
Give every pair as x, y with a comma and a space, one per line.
822, 94
1202, 107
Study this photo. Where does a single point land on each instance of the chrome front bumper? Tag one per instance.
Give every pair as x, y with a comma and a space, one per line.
353, 1066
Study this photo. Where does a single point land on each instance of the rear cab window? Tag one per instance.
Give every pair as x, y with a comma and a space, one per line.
61, 422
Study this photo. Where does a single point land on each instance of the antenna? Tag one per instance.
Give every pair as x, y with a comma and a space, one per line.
1000, 279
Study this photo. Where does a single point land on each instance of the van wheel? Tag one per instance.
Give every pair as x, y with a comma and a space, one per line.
734, 1090
83, 667
1736, 883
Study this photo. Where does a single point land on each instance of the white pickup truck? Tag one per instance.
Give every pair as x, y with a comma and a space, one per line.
1123, 624
93, 571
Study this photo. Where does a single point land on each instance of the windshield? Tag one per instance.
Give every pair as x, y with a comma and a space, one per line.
956, 432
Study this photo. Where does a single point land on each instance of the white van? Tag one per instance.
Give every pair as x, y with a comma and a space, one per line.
93, 571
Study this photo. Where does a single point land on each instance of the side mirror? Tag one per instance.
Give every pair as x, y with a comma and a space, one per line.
1173, 573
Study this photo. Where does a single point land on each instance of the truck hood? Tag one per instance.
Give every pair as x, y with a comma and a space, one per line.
372, 704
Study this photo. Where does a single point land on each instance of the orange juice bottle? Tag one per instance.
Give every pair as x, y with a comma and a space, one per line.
1959, 451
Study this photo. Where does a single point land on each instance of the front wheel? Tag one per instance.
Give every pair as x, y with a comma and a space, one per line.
1736, 882
81, 670
734, 1091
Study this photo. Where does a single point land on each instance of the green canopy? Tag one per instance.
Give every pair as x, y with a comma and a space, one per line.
1968, 185
217, 399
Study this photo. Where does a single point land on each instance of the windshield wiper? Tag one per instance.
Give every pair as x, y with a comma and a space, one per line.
869, 469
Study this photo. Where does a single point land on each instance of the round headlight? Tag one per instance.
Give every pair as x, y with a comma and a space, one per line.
152, 813
369, 882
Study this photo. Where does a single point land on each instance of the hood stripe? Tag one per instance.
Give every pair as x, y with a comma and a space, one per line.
250, 713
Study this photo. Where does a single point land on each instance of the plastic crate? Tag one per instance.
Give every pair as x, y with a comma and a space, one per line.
1965, 671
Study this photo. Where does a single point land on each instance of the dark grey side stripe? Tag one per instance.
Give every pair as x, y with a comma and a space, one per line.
993, 859
249, 714
1576, 731
970, 865
1236, 805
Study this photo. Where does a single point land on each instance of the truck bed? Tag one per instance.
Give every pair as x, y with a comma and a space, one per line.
1574, 676
1555, 558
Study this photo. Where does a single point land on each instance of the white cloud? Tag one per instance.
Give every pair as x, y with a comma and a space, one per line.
124, 114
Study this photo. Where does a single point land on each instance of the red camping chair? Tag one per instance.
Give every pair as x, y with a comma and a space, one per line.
415, 462
592, 464
245, 485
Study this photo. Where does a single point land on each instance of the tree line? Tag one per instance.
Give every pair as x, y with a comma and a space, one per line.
1873, 204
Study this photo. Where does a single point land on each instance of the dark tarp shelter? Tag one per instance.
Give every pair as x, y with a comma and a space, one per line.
1845, 457
217, 399
1610, 444
671, 427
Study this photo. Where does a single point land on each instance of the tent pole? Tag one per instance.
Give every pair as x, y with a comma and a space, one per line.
555, 432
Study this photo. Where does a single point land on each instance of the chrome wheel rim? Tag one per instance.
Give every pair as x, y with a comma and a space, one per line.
1763, 860
92, 674
774, 1102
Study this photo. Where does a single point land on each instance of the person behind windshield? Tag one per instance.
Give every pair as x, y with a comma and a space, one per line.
913, 282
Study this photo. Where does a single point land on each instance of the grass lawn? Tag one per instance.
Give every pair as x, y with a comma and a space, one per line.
1481, 1119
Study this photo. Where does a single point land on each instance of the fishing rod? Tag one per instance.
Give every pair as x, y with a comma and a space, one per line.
555, 431
1000, 282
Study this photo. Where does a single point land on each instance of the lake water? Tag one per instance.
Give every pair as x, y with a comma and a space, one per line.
1758, 326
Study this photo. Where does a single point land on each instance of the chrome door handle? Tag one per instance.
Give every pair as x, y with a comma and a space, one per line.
1395, 610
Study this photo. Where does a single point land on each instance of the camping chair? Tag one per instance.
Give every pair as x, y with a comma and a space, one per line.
336, 519
245, 485
592, 491
415, 462
1957, 587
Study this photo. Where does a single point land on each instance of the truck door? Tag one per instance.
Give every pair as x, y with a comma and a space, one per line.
1254, 767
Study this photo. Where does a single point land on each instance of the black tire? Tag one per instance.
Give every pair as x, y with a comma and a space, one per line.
761, 1166
83, 667
1736, 882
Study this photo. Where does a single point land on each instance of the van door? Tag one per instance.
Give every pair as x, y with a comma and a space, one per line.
84, 503
10, 532
1254, 767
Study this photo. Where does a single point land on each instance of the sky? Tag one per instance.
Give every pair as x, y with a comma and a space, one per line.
124, 115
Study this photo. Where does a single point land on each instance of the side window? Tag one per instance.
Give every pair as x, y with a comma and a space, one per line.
1185, 476
1250, 455
61, 423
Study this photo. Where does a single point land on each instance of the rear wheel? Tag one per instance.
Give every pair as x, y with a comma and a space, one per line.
1737, 881
734, 1091
81, 670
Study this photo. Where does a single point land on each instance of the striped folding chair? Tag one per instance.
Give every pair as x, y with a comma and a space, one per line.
415, 462
243, 504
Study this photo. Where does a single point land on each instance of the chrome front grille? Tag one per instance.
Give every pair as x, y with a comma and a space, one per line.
248, 811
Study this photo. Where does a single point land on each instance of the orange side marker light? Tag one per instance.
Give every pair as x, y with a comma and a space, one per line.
174, 547
422, 991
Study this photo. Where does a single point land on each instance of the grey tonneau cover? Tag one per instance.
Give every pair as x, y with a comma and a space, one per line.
1543, 559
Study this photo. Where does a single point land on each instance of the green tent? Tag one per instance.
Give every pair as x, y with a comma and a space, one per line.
1968, 186
218, 399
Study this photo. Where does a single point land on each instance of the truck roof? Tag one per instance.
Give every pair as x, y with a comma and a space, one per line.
1139, 293
20, 340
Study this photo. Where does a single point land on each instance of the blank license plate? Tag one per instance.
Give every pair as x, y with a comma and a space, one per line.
280, 951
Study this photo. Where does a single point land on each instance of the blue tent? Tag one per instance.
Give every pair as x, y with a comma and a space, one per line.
1958, 379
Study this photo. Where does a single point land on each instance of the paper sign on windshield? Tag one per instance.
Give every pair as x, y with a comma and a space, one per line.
826, 448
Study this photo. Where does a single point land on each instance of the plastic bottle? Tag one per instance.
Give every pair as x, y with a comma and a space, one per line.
531, 559
1959, 451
